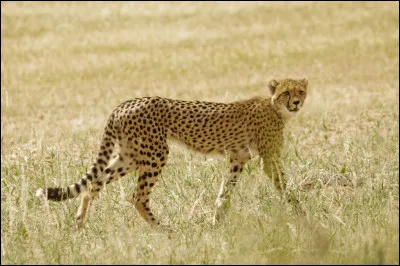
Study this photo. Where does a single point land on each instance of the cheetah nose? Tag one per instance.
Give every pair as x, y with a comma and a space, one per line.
296, 102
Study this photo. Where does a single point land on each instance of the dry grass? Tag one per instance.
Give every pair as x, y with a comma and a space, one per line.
65, 66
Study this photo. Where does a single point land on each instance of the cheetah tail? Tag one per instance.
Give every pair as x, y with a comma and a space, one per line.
58, 194
72, 191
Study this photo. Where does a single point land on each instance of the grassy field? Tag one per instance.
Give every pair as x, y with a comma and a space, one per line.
66, 66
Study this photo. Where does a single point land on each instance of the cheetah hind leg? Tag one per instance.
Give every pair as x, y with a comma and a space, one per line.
80, 216
149, 166
224, 196
117, 168
149, 170
141, 198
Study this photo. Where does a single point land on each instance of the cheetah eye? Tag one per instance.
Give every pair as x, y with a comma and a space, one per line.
301, 92
285, 93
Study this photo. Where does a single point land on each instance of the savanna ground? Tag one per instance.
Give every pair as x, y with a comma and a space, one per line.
66, 66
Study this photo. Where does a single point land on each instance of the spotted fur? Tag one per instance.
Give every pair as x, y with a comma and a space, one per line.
137, 131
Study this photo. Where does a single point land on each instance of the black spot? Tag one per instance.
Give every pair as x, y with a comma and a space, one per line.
100, 161
77, 188
89, 177
235, 168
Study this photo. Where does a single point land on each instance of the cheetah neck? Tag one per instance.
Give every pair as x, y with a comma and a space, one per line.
282, 112
286, 114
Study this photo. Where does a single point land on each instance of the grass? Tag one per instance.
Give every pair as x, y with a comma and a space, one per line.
66, 66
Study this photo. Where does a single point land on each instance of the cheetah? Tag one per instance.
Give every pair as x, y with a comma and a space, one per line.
135, 139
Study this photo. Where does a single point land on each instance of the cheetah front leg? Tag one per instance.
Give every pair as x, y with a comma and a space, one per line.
237, 162
273, 168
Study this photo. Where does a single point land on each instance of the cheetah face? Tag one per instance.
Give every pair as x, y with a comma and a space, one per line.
288, 95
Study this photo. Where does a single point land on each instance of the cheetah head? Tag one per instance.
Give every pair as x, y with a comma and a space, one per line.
288, 95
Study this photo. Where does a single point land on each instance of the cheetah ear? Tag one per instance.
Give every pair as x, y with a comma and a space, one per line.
272, 86
305, 82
